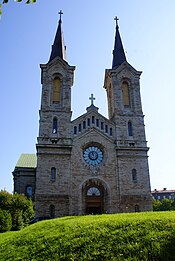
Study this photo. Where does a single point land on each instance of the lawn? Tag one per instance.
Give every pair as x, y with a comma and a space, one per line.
136, 237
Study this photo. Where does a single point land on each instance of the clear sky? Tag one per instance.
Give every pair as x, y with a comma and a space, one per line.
27, 32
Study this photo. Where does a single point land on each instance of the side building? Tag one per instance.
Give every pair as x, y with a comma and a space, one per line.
160, 194
24, 175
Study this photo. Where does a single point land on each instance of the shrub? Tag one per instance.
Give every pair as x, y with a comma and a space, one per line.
5, 221
20, 208
17, 220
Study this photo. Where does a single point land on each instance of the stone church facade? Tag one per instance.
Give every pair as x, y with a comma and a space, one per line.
92, 164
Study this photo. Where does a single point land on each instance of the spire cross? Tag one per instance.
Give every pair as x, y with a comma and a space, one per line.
116, 19
60, 13
92, 99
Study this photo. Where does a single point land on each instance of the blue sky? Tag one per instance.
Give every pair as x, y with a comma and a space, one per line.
148, 34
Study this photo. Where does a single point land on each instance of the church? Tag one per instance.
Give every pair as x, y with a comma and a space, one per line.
92, 164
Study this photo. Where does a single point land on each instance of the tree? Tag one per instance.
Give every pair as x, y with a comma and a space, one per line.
5, 221
163, 205
20, 208
6, 1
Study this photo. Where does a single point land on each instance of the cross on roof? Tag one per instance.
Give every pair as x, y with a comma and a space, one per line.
92, 98
116, 19
60, 13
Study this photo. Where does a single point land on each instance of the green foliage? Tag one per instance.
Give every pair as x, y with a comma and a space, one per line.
129, 237
19, 207
27, 2
6, 1
163, 205
17, 219
5, 221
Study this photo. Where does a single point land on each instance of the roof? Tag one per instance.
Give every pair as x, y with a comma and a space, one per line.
58, 47
27, 161
118, 52
163, 191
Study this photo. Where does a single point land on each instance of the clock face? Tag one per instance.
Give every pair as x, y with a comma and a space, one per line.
93, 155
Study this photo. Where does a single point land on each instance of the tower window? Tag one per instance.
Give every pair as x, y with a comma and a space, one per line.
97, 122
53, 174
56, 89
130, 132
102, 126
125, 92
106, 128
55, 125
134, 175
52, 211
88, 121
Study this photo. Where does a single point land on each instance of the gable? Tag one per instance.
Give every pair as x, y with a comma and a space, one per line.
92, 120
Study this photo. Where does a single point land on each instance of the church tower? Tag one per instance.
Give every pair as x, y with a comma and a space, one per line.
122, 83
54, 141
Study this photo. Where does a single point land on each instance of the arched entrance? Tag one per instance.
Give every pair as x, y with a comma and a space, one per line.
94, 197
94, 201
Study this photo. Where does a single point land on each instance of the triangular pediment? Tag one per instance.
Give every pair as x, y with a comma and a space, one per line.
125, 66
93, 120
124, 70
56, 65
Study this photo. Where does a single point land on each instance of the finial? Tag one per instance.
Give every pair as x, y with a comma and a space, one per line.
60, 13
116, 19
92, 99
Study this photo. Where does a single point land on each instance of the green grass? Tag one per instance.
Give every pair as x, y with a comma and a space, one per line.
136, 237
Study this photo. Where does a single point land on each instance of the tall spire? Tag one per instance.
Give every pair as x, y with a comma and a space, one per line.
58, 47
118, 52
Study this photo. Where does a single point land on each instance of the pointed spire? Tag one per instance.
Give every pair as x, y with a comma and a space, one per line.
58, 47
118, 52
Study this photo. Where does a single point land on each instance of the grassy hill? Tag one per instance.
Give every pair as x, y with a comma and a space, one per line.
136, 237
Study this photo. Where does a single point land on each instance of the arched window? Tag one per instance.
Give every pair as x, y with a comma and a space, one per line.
93, 119
75, 129
110, 131
55, 125
137, 209
29, 191
130, 132
93, 191
79, 127
53, 174
134, 175
56, 89
84, 124
125, 92
52, 211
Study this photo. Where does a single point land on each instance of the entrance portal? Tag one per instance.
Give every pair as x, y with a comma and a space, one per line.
94, 201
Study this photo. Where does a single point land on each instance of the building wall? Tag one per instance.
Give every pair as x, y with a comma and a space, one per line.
64, 148
24, 177
105, 173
